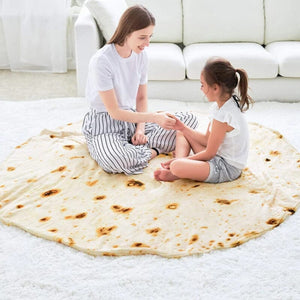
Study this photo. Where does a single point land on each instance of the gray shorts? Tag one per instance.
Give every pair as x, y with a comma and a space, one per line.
221, 171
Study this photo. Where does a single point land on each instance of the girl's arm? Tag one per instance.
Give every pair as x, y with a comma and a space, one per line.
110, 101
215, 139
192, 134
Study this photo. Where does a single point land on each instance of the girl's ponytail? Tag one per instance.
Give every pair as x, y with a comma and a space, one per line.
245, 99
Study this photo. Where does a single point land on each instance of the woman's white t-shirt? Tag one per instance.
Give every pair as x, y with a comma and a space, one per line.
108, 70
235, 146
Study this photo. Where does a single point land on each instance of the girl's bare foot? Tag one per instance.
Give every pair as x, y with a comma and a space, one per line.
164, 175
166, 165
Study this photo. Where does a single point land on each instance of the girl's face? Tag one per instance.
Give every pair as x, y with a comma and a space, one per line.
138, 40
207, 90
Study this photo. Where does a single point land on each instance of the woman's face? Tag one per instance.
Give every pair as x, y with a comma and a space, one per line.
140, 39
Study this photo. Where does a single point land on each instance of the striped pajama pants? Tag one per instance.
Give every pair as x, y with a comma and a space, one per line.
109, 141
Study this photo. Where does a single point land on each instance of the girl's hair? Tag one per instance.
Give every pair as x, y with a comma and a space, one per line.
220, 71
134, 18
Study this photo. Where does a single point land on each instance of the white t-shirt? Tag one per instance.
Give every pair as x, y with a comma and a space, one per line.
235, 146
108, 70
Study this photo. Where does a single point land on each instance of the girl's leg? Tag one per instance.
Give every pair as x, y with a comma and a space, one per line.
165, 140
184, 168
182, 149
182, 146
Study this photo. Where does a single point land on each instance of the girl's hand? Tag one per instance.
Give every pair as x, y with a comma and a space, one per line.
139, 138
179, 125
164, 120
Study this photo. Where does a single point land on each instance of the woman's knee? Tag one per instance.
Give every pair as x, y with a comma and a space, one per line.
189, 119
113, 162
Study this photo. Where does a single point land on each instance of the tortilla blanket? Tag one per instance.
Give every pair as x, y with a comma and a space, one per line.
52, 188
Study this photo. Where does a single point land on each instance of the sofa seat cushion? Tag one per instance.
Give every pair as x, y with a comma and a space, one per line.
288, 56
252, 57
165, 62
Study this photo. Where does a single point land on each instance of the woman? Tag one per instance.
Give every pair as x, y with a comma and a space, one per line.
121, 135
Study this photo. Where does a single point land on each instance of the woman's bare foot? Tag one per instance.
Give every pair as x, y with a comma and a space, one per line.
153, 154
164, 175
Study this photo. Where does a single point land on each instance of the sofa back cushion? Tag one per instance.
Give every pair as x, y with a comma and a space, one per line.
223, 21
168, 16
282, 20
107, 14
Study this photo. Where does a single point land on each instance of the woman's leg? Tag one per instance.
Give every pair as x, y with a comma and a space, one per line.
116, 155
108, 144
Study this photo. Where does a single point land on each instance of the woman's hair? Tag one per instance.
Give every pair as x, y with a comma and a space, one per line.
220, 71
134, 18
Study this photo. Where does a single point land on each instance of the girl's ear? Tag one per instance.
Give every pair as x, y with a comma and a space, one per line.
216, 87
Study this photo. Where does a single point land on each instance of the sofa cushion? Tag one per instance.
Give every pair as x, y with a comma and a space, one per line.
287, 55
107, 14
252, 57
223, 21
168, 16
282, 20
165, 62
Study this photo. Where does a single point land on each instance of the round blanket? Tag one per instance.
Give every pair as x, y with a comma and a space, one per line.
52, 188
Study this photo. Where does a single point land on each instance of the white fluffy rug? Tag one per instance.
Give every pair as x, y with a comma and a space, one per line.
267, 267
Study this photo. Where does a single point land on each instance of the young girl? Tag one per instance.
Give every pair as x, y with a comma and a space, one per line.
116, 128
220, 153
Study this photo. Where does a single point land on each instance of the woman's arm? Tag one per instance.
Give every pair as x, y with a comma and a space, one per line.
139, 137
110, 101
141, 104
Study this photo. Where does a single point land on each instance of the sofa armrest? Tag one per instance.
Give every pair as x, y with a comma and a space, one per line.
88, 39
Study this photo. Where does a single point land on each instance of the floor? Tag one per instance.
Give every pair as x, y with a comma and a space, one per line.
25, 86
263, 268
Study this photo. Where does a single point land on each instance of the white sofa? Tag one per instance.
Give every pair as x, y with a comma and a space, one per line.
261, 36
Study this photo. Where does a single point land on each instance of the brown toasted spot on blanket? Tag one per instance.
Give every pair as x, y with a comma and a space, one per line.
120, 209
69, 147
50, 193
105, 230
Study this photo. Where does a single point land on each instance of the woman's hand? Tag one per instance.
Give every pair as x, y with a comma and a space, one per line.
139, 138
164, 120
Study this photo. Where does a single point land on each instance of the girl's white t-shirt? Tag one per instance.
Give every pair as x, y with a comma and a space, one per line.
108, 70
235, 147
